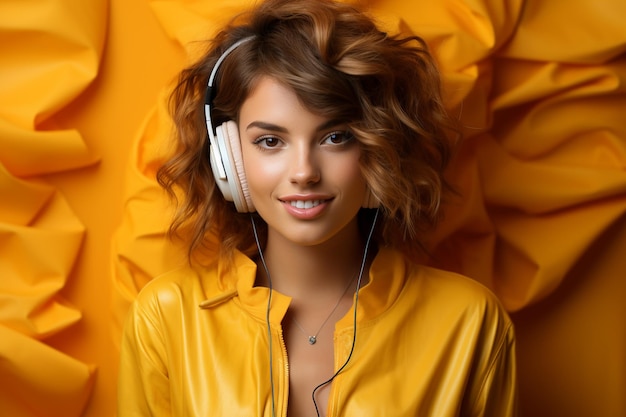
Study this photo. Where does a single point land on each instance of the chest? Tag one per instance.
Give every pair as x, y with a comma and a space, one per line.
311, 368
225, 363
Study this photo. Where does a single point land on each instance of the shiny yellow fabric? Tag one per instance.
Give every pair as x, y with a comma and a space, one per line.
429, 343
50, 52
541, 221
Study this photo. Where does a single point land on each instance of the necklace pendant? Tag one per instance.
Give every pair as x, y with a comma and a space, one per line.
312, 340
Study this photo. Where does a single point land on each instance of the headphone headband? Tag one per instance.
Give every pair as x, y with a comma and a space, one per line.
225, 161
211, 91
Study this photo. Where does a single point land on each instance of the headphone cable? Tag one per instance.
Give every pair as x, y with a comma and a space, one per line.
267, 314
354, 317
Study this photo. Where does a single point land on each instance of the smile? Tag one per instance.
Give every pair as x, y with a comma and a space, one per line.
305, 204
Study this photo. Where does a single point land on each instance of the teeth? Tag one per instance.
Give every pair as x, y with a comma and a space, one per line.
301, 204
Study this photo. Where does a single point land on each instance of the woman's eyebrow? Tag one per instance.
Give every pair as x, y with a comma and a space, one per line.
276, 128
266, 126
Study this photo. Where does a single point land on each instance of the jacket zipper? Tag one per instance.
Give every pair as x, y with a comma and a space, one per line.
284, 388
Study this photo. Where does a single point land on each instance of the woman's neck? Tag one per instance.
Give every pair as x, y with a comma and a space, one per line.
316, 270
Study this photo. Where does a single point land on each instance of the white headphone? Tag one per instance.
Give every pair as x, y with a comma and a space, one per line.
225, 151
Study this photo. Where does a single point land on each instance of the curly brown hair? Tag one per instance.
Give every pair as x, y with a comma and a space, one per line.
340, 65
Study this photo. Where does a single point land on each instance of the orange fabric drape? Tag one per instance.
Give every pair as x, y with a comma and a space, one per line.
541, 172
50, 53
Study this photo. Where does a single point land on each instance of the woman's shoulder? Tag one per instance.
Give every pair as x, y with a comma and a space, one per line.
169, 289
433, 291
453, 292
195, 284
450, 282
392, 265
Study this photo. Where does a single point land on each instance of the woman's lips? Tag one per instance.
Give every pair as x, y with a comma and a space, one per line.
305, 209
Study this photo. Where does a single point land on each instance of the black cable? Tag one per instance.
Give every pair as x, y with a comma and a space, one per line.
356, 303
354, 319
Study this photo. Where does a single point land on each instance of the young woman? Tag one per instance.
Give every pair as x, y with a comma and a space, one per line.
311, 146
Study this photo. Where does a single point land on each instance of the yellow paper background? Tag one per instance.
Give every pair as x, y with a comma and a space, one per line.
540, 87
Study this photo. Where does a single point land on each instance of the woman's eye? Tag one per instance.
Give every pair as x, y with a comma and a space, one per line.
338, 138
267, 142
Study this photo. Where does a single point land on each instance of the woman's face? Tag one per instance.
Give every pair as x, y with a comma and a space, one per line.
302, 169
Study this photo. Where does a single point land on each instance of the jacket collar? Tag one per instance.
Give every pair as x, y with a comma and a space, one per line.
386, 279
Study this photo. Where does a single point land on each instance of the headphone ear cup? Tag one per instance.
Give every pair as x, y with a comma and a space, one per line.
228, 139
220, 166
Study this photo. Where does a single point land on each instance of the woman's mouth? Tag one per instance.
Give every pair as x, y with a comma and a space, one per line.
305, 204
306, 209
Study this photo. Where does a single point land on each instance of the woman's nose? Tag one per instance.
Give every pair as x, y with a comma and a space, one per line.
304, 167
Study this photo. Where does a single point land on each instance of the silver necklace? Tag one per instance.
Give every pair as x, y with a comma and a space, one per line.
313, 339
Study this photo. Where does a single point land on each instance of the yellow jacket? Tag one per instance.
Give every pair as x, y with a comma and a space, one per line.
429, 343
